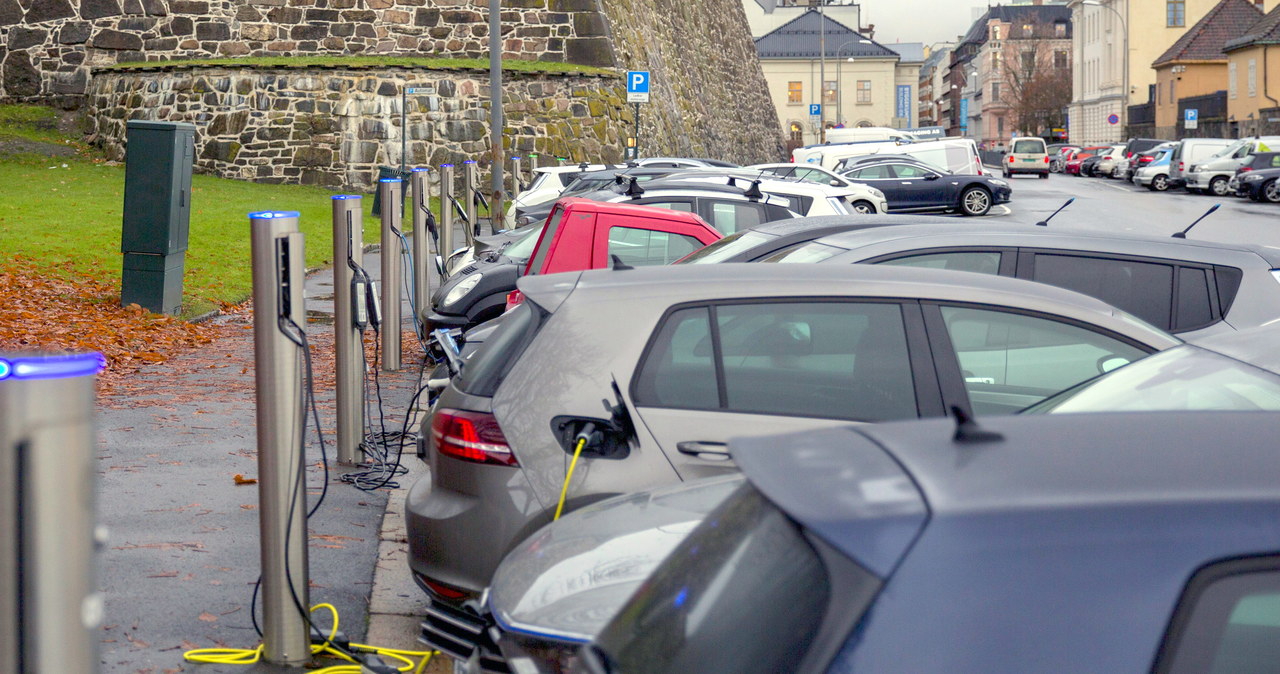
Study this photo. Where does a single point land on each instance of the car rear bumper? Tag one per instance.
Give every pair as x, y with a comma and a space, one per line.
1200, 180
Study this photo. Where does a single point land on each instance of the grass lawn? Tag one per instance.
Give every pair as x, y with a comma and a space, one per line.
65, 213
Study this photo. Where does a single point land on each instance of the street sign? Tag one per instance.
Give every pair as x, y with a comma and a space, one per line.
1113, 119
637, 86
815, 109
1191, 118
416, 90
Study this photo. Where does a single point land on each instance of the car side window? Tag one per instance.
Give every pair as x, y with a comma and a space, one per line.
646, 247
980, 261
1010, 361
877, 172
843, 360
1275, 160
1144, 289
1228, 622
686, 206
907, 171
1194, 308
730, 216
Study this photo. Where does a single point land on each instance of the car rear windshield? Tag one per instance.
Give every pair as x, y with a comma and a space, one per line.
744, 592
549, 235
1029, 147
1184, 378
810, 252
522, 248
489, 365
726, 248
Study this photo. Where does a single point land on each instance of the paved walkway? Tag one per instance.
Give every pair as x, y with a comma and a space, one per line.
182, 557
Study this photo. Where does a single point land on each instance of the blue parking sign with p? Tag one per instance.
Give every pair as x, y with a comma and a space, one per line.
815, 109
638, 86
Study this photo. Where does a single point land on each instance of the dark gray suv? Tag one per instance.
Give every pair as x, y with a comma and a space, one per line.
667, 364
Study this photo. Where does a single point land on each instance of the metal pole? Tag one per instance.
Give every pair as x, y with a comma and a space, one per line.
445, 249
515, 175
637, 135
470, 176
278, 315
404, 126
497, 209
348, 255
393, 195
50, 608
420, 197
822, 72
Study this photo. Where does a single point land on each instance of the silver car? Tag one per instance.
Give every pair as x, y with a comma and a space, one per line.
659, 367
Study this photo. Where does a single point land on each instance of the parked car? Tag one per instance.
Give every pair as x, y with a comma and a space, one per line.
1129, 165
580, 234
550, 182
1154, 175
1027, 155
1105, 166
1191, 290
1213, 174
810, 172
683, 162
911, 187
789, 348
928, 546
1073, 165
957, 155
804, 197
1254, 162
1139, 145
771, 238
1058, 156
1261, 185
1190, 151
1235, 371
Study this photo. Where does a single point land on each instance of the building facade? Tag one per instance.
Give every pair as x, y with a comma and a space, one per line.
1253, 78
933, 85
1025, 61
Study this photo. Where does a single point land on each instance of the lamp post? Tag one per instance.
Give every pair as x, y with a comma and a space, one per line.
1124, 28
822, 71
840, 80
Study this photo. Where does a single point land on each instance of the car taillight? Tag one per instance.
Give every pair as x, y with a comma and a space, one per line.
1182, 166
444, 591
514, 299
1010, 159
471, 436
1145, 160
1046, 159
1244, 169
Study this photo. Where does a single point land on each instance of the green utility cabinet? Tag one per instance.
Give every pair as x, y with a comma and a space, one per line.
159, 157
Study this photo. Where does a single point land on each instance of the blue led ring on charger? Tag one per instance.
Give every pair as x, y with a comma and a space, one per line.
51, 367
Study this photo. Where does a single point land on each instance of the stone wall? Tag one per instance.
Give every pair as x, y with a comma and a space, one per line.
335, 127
48, 46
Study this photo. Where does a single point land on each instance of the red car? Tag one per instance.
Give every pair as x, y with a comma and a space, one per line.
1077, 157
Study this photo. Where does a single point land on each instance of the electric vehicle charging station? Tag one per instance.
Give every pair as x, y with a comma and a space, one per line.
352, 289
392, 193
50, 608
423, 232
470, 181
445, 247
517, 180
279, 345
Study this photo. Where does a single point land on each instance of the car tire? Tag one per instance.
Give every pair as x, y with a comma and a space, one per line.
1218, 186
1271, 191
1044, 176
975, 201
863, 207
1159, 183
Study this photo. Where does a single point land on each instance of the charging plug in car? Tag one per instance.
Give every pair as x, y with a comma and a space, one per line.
603, 441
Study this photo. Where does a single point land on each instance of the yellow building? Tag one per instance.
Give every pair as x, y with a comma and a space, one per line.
1253, 77
1196, 64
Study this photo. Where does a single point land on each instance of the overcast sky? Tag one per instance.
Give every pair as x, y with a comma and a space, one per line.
926, 21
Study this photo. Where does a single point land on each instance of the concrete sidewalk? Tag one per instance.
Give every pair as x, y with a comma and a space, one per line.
178, 571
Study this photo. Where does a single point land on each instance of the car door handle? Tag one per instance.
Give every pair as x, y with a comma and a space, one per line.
712, 451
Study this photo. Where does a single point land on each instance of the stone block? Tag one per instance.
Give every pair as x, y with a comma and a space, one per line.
162, 44
284, 15
359, 16
210, 30
233, 49
48, 10
589, 51
571, 5
10, 12
396, 17
114, 39
154, 8
220, 150
247, 13
75, 32
322, 15
342, 30
526, 4
20, 78
312, 156
181, 26
589, 24
258, 31
460, 16
309, 32
189, 6
21, 37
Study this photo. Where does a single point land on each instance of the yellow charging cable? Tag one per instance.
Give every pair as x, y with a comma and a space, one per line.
413, 661
564, 491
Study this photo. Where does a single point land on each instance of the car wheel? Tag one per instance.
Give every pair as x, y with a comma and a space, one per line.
863, 208
1271, 191
1218, 186
1160, 183
975, 201
1044, 176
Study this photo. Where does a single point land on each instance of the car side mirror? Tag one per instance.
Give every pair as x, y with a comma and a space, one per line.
836, 183
931, 176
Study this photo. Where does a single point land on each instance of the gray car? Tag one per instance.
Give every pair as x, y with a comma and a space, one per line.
1190, 288
629, 359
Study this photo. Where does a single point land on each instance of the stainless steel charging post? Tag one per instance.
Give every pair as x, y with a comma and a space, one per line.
278, 340
50, 608
351, 317
445, 248
420, 197
470, 184
392, 216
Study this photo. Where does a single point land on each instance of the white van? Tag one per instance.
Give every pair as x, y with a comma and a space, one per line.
854, 134
955, 155
1190, 151
827, 156
1027, 155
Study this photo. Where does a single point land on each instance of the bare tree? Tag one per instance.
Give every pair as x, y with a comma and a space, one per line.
1037, 77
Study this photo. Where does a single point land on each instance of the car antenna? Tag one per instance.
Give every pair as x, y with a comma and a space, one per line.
1183, 233
968, 430
634, 190
753, 193
1045, 222
584, 166
618, 264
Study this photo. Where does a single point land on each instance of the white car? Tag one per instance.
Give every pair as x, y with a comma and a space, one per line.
874, 199
547, 186
804, 197
1107, 165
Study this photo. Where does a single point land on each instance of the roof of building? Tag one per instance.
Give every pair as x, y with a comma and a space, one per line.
798, 39
911, 52
1014, 14
1265, 31
1228, 20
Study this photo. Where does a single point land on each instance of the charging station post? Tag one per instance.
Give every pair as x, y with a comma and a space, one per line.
420, 197
470, 184
392, 193
50, 608
278, 340
351, 317
446, 211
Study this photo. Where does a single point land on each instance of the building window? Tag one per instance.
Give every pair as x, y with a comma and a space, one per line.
1060, 58
1231, 79
829, 92
797, 132
1000, 127
1253, 78
864, 91
795, 92
1028, 30
1173, 91
997, 59
995, 32
1059, 29
1176, 13
1028, 62
995, 92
